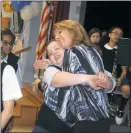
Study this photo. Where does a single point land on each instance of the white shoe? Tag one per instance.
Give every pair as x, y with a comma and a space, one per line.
118, 120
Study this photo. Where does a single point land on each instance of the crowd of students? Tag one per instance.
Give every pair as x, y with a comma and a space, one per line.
108, 52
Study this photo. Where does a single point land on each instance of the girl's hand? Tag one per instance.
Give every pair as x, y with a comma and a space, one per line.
42, 64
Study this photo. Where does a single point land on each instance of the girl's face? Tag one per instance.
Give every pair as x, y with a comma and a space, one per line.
115, 35
55, 53
95, 38
65, 37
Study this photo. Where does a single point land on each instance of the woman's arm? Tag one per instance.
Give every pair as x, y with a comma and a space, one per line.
7, 113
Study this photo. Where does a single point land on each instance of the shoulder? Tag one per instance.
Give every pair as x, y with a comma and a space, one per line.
3, 64
51, 69
9, 69
80, 47
10, 86
49, 74
106, 47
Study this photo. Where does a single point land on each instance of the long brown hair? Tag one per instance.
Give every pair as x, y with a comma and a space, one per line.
79, 34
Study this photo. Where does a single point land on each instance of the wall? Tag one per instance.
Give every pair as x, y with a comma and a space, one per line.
74, 12
77, 11
30, 38
82, 12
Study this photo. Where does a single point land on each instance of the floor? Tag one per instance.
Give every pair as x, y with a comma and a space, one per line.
119, 129
114, 128
22, 129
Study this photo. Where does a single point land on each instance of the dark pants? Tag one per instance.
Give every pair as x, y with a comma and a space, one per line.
92, 126
47, 120
83, 126
38, 129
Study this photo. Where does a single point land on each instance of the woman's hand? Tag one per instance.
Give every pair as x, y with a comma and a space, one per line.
102, 79
42, 64
96, 82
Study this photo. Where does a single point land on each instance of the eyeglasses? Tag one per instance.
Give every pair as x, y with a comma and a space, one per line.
5, 43
116, 34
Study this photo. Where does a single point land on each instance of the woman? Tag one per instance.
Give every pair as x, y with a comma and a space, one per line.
53, 96
70, 33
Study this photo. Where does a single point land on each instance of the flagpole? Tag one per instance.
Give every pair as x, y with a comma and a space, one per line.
44, 31
39, 70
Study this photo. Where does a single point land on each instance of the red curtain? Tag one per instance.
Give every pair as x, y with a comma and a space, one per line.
61, 12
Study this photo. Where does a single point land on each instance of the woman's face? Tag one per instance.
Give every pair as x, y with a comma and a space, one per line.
95, 38
65, 37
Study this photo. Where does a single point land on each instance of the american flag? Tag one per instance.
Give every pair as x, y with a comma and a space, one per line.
43, 31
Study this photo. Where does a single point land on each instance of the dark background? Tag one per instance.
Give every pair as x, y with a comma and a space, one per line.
106, 14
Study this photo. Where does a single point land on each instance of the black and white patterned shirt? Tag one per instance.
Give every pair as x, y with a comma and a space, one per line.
79, 102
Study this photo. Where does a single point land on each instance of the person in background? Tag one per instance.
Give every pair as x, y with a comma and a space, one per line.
104, 40
8, 39
103, 33
10, 91
95, 36
109, 51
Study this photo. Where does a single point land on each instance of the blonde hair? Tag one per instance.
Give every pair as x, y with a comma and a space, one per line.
78, 32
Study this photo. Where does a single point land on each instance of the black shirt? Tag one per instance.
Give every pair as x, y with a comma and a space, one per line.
13, 60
